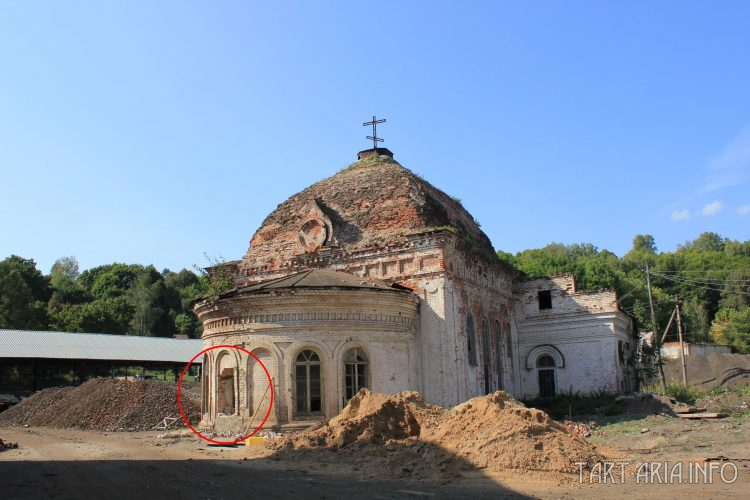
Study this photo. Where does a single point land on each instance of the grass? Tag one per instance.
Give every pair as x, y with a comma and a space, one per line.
569, 404
715, 391
683, 393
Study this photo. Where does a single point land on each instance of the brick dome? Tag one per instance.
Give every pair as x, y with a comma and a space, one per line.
375, 201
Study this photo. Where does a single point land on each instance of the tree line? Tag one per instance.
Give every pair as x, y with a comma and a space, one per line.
114, 298
710, 275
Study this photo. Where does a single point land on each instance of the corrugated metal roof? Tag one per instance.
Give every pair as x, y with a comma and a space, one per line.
61, 345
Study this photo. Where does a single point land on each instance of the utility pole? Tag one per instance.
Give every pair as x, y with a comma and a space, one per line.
655, 338
671, 319
682, 345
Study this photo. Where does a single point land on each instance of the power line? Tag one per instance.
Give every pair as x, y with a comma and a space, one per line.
685, 279
631, 291
705, 281
722, 280
698, 284
700, 271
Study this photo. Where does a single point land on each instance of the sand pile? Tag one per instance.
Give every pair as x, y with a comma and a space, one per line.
403, 435
104, 404
370, 418
494, 432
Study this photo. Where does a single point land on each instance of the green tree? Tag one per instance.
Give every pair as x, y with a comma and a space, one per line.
697, 324
737, 331
736, 291
706, 242
111, 280
104, 315
148, 297
24, 292
643, 251
65, 289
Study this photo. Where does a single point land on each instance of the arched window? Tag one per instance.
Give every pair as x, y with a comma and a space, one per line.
509, 344
486, 355
356, 376
471, 340
499, 355
545, 365
308, 395
545, 362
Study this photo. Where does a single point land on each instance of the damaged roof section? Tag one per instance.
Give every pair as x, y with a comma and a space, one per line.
372, 202
316, 278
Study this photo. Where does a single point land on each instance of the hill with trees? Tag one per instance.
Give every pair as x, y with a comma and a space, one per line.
711, 275
114, 298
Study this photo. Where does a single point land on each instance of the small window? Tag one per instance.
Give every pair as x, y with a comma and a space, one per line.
545, 299
471, 340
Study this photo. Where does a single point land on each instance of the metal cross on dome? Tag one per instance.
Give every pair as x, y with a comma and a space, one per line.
374, 136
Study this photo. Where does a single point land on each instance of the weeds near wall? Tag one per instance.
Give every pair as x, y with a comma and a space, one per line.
568, 404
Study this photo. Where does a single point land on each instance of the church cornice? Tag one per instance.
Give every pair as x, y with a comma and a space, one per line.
320, 321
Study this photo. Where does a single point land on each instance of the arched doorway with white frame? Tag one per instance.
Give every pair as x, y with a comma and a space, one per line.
545, 361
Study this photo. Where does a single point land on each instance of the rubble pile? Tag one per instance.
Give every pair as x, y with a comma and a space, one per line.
6, 445
104, 404
579, 428
729, 400
409, 438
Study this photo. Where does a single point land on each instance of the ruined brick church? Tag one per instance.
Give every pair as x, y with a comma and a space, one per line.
375, 278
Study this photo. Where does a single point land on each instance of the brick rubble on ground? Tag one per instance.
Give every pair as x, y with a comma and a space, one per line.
107, 405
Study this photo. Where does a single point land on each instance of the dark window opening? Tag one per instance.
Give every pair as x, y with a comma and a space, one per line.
355, 373
546, 383
471, 340
546, 368
509, 345
486, 355
545, 299
499, 355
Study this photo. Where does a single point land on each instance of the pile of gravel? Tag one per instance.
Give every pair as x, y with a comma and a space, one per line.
107, 405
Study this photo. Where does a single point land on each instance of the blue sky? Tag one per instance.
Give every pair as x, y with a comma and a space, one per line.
152, 132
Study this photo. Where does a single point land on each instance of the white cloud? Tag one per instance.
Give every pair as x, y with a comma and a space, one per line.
681, 215
744, 210
732, 166
713, 208
726, 169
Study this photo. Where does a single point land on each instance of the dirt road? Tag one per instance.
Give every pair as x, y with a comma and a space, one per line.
70, 464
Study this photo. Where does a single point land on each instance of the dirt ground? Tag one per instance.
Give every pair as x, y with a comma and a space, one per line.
65, 463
